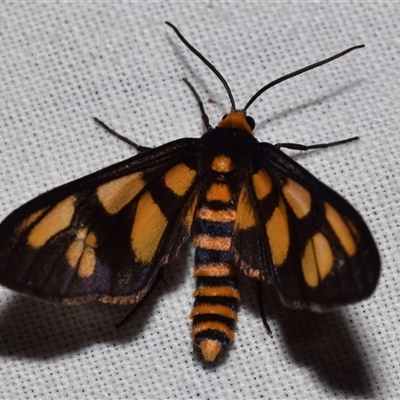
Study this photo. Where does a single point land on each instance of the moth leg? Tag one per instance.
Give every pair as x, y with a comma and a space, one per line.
204, 116
146, 296
138, 147
261, 306
296, 146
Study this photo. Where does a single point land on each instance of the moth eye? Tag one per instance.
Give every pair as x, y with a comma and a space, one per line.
224, 116
251, 122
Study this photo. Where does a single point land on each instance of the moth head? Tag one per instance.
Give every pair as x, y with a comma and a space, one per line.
238, 120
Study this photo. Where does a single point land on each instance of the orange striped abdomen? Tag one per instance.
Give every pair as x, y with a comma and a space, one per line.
217, 296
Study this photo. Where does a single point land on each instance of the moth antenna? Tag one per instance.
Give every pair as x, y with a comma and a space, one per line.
298, 72
206, 120
205, 61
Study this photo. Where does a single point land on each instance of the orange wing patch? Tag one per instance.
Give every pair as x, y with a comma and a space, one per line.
341, 229
27, 222
55, 221
116, 194
245, 217
81, 253
262, 184
148, 228
277, 229
179, 178
298, 198
317, 260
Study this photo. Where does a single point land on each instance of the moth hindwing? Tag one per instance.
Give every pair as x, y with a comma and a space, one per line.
249, 208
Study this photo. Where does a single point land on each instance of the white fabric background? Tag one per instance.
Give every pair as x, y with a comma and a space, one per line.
61, 64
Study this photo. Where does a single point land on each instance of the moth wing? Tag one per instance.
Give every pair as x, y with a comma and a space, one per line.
104, 236
302, 237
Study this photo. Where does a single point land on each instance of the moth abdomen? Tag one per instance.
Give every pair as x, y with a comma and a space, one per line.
217, 296
215, 309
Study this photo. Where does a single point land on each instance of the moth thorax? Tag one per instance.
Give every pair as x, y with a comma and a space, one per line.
222, 164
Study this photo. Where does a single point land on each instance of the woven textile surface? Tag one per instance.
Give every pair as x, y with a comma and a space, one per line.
64, 63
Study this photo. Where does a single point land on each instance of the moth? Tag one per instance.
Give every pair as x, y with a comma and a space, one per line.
249, 208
